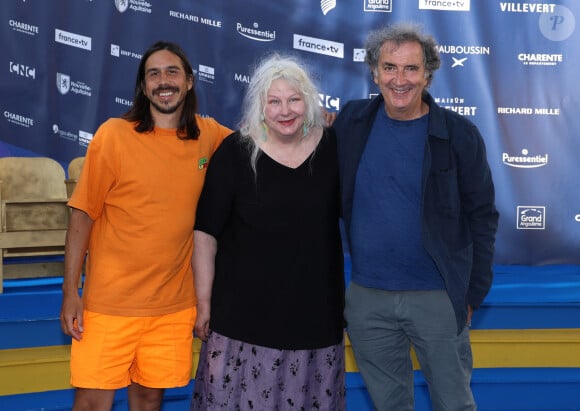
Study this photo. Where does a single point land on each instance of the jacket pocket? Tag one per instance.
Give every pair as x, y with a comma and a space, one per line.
444, 192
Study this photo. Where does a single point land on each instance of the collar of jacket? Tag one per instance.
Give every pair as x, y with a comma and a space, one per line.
437, 120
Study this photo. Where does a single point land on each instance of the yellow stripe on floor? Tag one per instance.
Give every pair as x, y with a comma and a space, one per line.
39, 369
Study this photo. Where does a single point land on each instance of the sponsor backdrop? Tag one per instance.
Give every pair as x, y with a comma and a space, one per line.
68, 65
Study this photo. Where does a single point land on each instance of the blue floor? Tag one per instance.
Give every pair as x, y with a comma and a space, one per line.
521, 297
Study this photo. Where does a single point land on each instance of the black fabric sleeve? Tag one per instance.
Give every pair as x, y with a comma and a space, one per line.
215, 202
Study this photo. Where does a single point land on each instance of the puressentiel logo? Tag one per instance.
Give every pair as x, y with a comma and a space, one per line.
531, 218
72, 39
255, 32
319, 46
524, 160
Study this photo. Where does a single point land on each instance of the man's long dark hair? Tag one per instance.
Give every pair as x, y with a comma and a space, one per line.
140, 112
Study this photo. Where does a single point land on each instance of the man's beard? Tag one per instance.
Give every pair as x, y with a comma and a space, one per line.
166, 109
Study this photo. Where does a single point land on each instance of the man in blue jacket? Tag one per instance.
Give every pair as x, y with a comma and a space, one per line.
418, 207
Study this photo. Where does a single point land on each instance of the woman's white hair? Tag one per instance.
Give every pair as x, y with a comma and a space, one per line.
274, 67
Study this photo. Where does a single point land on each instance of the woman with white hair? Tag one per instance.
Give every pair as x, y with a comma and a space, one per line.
268, 259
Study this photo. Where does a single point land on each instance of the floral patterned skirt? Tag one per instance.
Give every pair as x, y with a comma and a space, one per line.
233, 375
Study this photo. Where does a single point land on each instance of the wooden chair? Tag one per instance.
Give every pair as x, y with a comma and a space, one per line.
74, 171
34, 215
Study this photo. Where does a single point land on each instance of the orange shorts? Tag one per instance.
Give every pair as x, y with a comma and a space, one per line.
154, 352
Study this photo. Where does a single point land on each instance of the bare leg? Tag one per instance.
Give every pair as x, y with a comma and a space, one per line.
144, 399
87, 399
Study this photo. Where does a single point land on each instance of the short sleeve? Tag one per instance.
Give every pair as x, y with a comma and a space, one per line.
216, 200
212, 129
98, 173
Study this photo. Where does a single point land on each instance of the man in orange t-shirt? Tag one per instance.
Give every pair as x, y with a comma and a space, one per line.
133, 210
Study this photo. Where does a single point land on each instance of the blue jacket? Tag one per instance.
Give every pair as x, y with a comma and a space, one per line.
459, 218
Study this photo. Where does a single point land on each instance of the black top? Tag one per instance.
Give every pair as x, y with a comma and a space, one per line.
279, 278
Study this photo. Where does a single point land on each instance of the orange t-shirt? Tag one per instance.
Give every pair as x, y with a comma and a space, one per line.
141, 190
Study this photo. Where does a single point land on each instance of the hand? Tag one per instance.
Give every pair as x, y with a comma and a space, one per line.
329, 117
71, 316
469, 315
202, 321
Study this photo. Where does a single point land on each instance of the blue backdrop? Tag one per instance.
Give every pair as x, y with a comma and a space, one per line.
70, 64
